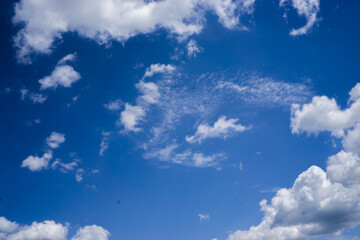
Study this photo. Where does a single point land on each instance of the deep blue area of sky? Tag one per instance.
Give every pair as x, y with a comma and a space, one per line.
134, 198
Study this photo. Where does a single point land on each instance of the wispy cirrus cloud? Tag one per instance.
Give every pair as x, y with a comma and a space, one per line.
169, 97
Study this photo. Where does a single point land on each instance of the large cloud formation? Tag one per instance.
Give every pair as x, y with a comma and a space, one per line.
106, 20
48, 230
320, 202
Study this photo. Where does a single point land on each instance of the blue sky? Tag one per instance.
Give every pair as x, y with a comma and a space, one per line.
133, 119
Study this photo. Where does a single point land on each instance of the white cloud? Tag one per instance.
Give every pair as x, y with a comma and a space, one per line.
64, 167
324, 114
193, 48
104, 145
62, 75
49, 230
114, 105
68, 58
158, 68
320, 202
307, 8
91, 233
35, 163
79, 175
37, 98
55, 139
107, 20
187, 158
46, 230
222, 128
131, 116
204, 217
7, 226
267, 91
23, 93
150, 92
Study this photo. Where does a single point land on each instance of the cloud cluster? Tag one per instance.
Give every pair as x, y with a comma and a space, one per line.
223, 128
307, 8
49, 230
320, 202
63, 75
132, 115
36, 163
103, 21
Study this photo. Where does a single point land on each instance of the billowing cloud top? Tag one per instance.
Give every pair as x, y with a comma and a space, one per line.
106, 20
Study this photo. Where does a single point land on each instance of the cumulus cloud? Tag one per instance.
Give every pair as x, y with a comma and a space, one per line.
131, 116
7, 226
35, 163
320, 202
307, 8
222, 128
107, 20
158, 68
324, 114
62, 75
55, 139
49, 230
91, 233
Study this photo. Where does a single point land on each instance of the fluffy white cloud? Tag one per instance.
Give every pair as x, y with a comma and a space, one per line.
35, 163
307, 8
131, 116
62, 75
7, 226
324, 114
49, 230
55, 139
107, 20
203, 216
158, 68
222, 128
193, 48
150, 94
91, 233
319, 203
